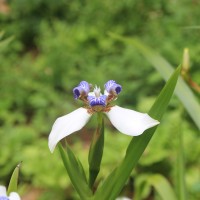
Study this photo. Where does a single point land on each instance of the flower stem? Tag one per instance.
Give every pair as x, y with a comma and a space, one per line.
96, 151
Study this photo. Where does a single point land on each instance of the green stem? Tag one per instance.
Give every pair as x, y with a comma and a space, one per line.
96, 151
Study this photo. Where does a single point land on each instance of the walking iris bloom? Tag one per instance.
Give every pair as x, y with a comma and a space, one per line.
3, 195
127, 121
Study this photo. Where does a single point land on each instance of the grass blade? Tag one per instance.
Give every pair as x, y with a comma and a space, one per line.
14, 180
75, 172
162, 187
180, 167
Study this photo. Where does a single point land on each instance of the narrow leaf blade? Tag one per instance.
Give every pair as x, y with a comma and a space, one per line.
162, 187
75, 172
180, 167
12, 187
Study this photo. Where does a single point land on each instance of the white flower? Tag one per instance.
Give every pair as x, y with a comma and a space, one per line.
127, 121
12, 195
123, 198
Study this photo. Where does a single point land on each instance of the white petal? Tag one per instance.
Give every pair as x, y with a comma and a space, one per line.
130, 122
3, 191
122, 198
66, 125
14, 196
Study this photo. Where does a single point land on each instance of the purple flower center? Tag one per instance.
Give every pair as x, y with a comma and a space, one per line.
94, 100
97, 101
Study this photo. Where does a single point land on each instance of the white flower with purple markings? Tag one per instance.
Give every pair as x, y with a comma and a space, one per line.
127, 121
4, 196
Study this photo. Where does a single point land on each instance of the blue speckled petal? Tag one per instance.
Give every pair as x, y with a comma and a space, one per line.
97, 101
81, 90
85, 85
112, 87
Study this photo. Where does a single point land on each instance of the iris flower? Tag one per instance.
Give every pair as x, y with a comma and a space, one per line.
3, 194
127, 121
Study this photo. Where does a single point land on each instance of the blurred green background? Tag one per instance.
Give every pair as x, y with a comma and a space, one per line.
47, 47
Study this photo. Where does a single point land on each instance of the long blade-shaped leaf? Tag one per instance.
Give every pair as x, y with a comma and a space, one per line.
75, 172
14, 180
159, 183
137, 145
162, 187
183, 92
180, 167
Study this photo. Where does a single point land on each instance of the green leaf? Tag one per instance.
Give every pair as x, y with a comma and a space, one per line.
162, 187
75, 172
180, 167
141, 187
111, 189
183, 92
96, 151
12, 187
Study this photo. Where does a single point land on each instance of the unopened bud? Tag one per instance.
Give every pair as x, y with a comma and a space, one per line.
186, 60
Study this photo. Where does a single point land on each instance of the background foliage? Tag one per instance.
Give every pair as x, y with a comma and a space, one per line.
52, 46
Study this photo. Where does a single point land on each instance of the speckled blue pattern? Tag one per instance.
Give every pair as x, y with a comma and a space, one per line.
112, 87
82, 89
94, 101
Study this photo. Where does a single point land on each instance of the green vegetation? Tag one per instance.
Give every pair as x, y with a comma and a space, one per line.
47, 47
